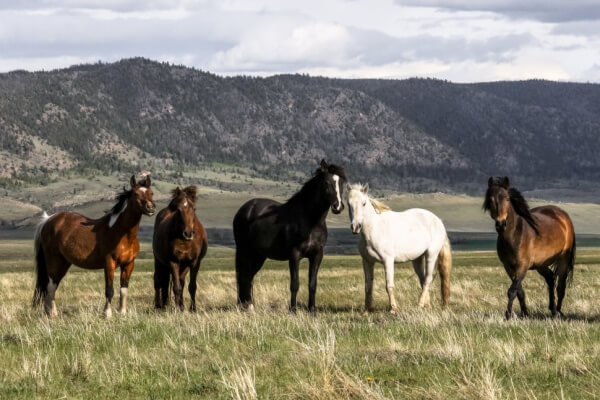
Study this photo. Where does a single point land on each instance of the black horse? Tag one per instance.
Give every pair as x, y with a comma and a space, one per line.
265, 228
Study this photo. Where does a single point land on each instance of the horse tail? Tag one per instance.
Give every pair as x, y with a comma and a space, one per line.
571, 265
444, 264
41, 270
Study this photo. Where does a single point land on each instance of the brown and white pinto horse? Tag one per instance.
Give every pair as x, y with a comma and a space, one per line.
542, 238
179, 245
109, 242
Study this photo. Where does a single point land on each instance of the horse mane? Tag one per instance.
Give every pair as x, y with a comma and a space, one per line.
379, 206
121, 198
522, 208
307, 188
177, 194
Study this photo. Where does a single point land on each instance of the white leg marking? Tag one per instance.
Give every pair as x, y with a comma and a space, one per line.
123, 300
107, 310
49, 304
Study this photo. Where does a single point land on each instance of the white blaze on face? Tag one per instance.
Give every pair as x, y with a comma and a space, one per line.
143, 189
336, 179
114, 217
185, 204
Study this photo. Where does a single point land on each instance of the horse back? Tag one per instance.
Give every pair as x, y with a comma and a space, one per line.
86, 242
555, 227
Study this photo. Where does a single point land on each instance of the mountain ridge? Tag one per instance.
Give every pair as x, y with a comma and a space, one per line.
410, 135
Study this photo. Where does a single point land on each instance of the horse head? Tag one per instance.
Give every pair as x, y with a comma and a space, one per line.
497, 201
183, 204
141, 196
333, 180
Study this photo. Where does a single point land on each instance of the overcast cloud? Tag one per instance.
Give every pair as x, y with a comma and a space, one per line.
460, 40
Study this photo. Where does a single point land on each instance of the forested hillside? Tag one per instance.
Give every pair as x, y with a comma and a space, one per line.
415, 134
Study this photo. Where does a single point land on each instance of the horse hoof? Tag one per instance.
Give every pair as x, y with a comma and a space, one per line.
508, 315
393, 311
108, 313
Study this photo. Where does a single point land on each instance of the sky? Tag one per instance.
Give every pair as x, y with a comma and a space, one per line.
458, 40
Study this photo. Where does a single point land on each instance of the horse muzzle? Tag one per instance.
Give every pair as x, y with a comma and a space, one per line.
149, 210
500, 226
355, 228
338, 209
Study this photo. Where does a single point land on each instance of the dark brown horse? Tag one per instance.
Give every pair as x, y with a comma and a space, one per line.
542, 238
179, 244
68, 238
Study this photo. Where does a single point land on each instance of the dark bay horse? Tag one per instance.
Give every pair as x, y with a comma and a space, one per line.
109, 242
542, 238
179, 244
264, 228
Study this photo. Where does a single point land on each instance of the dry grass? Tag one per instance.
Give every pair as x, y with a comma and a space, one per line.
466, 351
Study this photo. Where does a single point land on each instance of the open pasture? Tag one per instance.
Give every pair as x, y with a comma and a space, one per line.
465, 351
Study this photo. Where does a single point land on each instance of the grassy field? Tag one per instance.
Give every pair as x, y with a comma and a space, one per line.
466, 351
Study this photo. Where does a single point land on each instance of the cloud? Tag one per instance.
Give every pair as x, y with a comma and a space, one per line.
540, 10
448, 39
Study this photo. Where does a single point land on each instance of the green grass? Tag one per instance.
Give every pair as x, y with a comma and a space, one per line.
465, 351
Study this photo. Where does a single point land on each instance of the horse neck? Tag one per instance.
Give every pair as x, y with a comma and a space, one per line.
128, 222
304, 203
511, 235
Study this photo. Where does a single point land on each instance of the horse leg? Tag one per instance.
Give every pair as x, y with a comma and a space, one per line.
177, 288
513, 290
193, 284
182, 276
562, 271
244, 275
430, 263
313, 269
549, 277
389, 282
294, 281
164, 290
521, 297
368, 270
161, 274
420, 270
109, 274
57, 268
126, 271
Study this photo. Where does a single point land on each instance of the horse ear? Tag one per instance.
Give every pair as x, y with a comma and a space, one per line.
505, 183
324, 165
348, 187
147, 183
365, 189
490, 181
132, 181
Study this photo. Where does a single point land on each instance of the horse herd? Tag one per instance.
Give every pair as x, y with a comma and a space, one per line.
542, 238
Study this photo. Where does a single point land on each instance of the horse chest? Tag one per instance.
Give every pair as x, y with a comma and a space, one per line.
126, 251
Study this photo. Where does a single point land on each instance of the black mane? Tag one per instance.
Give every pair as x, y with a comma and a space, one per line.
121, 198
308, 188
522, 208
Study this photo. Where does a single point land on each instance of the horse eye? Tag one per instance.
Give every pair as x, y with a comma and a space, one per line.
364, 203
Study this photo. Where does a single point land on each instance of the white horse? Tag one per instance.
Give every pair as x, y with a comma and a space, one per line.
390, 237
